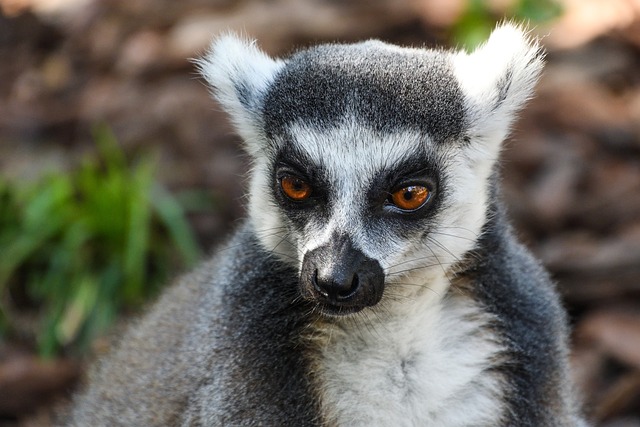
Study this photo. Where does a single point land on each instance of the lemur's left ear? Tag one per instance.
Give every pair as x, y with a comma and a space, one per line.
239, 74
497, 79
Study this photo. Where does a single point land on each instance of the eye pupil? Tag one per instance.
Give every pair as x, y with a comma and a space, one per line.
408, 195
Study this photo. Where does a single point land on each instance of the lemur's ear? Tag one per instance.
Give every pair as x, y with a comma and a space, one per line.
497, 79
239, 74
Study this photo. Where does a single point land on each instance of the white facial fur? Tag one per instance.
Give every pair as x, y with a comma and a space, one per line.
351, 155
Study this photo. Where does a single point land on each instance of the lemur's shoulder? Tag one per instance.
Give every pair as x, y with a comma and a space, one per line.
253, 366
148, 372
208, 352
529, 320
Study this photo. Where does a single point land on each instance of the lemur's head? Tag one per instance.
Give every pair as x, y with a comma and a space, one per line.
371, 162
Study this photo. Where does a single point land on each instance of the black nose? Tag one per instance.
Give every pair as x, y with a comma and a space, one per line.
341, 277
337, 285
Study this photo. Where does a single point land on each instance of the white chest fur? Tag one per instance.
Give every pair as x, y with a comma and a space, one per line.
426, 366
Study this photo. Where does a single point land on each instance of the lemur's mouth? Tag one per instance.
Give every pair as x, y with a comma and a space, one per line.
341, 279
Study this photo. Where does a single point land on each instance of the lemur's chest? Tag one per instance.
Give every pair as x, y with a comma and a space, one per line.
428, 366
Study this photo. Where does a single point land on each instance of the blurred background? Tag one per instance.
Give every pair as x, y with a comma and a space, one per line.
117, 171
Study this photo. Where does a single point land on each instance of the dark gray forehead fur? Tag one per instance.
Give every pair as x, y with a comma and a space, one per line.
389, 89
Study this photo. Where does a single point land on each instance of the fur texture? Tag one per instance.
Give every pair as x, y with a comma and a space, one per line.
469, 330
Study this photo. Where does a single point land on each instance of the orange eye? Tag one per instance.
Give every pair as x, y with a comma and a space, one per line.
295, 188
410, 198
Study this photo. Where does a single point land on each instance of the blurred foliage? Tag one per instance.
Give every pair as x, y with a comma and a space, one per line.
479, 19
79, 247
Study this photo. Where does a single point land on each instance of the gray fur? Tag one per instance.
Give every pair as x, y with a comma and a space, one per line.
388, 89
210, 353
451, 322
531, 321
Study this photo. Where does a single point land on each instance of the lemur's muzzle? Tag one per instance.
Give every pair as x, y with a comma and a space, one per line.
341, 278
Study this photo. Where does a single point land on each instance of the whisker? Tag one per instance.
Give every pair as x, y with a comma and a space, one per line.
282, 239
453, 235
444, 248
406, 270
460, 228
416, 259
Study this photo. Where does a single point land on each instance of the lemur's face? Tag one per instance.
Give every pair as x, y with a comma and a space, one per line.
358, 211
372, 162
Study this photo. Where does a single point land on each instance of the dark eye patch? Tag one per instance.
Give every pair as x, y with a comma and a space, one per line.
298, 162
417, 169
293, 163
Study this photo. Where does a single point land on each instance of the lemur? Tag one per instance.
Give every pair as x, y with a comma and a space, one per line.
376, 280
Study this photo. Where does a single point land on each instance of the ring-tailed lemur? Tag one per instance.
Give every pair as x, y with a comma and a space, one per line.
376, 281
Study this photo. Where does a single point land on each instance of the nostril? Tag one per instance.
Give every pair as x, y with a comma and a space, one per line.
345, 292
335, 287
316, 285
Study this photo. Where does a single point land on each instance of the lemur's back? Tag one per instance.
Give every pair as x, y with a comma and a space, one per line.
376, 280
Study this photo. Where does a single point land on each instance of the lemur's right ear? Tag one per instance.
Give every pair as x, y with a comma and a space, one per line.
239, 74
497, 79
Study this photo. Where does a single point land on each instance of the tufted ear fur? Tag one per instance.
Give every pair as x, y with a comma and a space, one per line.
239, 74
497, 79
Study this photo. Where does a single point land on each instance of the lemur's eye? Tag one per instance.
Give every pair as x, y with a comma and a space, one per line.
295, 188
410, 198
